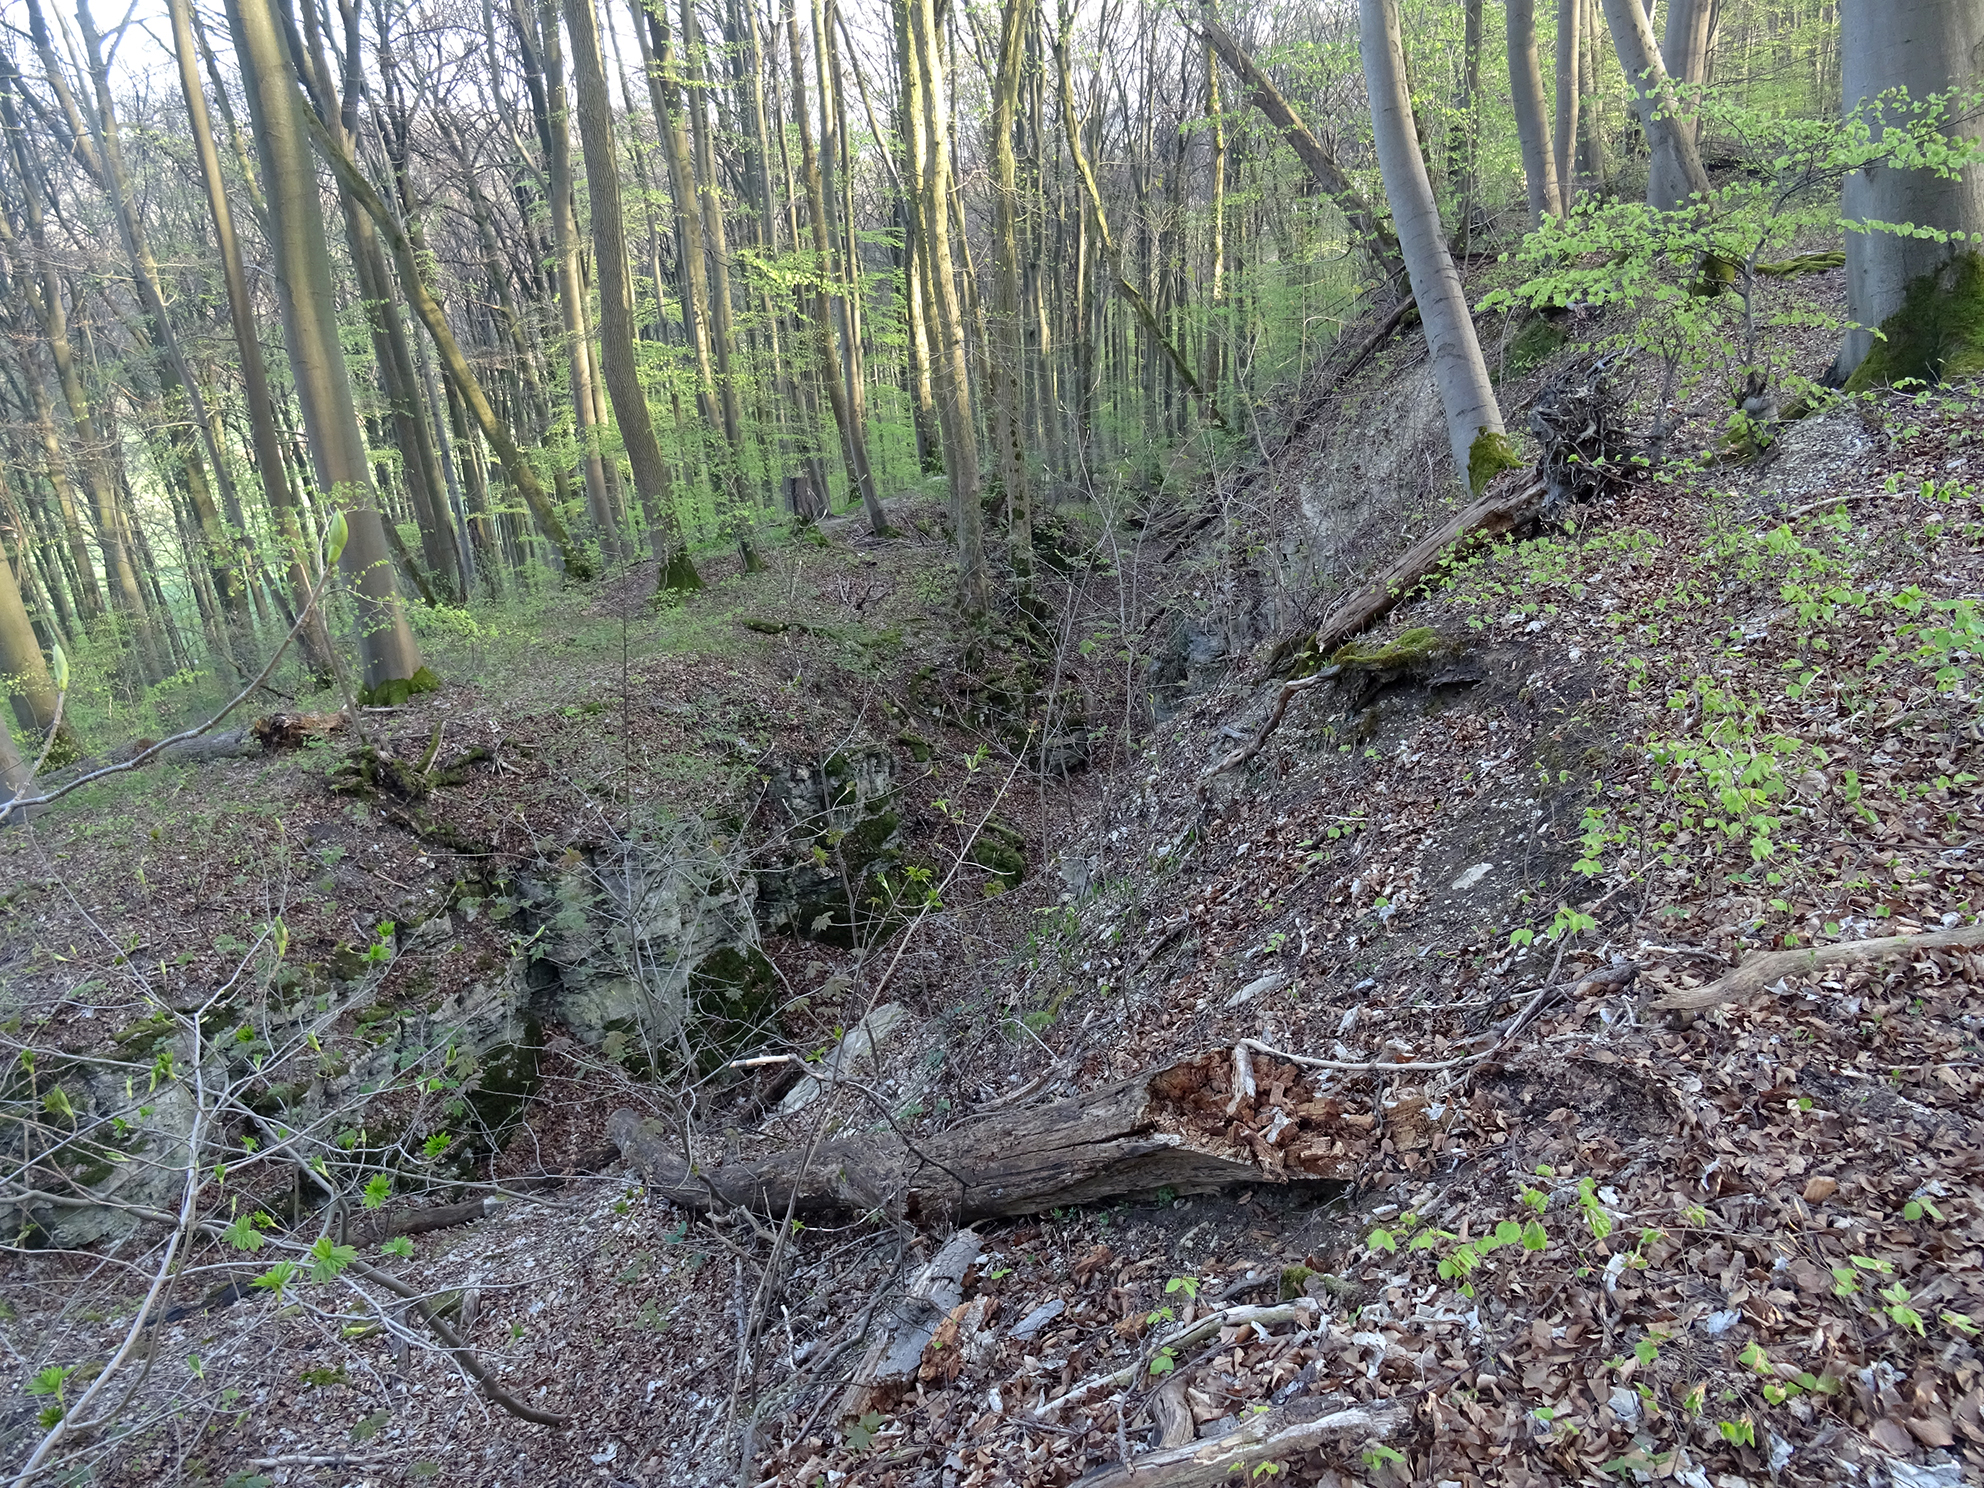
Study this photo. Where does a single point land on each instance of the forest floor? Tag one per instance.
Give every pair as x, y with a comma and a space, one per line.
1588, 1240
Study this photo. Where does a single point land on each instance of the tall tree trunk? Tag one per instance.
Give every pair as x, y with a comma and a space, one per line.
1684, 50
1474, 421
1532, 128
571, 281
1921, 294
853, 438
1215, 232
1464, 140
652, 482
1592, 160
1570, 48
1009, 352
1676, 169
709, 201
391, 660
924, 75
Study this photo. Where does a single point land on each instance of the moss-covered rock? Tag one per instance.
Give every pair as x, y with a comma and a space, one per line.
1938, 333
1000, 849
394, 691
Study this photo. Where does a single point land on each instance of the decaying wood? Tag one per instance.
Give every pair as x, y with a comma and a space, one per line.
896, 1351
1305, 1310
1338, 1425
1128, 1138
1764, 971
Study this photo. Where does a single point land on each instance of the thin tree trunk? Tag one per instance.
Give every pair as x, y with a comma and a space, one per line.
1570, 48
652, 481
853, 438
1378, 239
1129, 292
1474, 421
924, 76
1009, 354
1532, 129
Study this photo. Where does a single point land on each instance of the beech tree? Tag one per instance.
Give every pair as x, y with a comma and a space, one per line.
1474, 419
1914, 297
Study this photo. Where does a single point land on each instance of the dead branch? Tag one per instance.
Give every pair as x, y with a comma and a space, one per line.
1493, 516
1336, 1424
1765, 971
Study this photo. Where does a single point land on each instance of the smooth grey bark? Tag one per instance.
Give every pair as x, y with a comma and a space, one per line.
1676, 169
1927, 47
1532, 128
1474, 420
1570, 46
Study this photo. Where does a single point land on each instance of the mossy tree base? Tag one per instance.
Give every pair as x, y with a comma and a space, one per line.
1491, 453
680, 576
1938, 333
394, 691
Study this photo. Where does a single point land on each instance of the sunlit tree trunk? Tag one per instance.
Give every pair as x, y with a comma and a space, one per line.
924, 76
652, 481
302, 264
1474, 420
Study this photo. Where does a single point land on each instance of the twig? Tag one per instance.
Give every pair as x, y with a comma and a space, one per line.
1619, 975
1248, 750
144, 755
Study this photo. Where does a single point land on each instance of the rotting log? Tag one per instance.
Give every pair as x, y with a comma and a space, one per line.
1335, 1425
1495, 515
1149, 1132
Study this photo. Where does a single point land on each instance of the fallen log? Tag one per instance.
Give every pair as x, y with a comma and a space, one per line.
1158, 1130
1493, 516
1337, 1425
1755, 975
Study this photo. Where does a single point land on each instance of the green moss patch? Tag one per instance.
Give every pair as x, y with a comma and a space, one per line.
1938, 333
1407, 649
1489, 455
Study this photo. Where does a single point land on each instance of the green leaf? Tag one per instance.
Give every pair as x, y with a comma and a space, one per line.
1534, 1237
57, 1104
242, 1234
340, 533
50, 1380
328, 1259
399, 1246
1381, 1240
377, 1191
58, 668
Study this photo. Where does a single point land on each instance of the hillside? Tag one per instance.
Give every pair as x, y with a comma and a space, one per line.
1529, 1191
